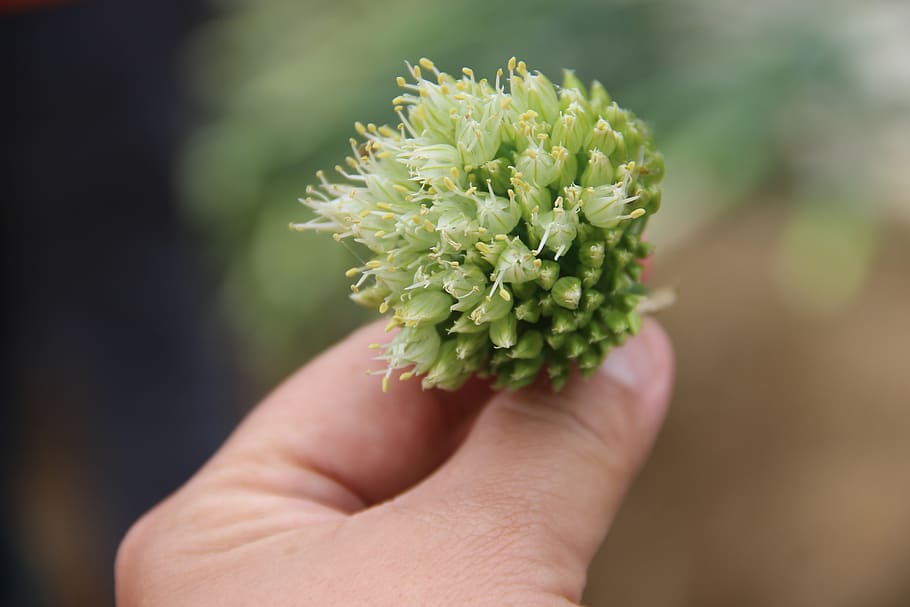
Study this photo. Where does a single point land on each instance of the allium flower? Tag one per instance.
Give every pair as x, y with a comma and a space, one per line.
504, 226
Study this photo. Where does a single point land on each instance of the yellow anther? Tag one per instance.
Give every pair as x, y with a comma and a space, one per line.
505, 103
467, 72
406, 376
416, 72
383, 307
637, 213
384, 206
426, 63
352, 272
374, 346
449, 183
522, 68
511, 63
373, 264
387, 216
428, 226
453, 172
361, 130
504, 294
501, 237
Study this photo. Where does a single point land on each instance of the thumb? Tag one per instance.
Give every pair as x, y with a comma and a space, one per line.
553, 468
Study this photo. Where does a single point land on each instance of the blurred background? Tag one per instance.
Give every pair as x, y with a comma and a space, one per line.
152, 156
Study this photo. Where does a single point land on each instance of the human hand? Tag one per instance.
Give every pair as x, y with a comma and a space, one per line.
333, 493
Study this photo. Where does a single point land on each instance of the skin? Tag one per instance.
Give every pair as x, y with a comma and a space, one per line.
333, 493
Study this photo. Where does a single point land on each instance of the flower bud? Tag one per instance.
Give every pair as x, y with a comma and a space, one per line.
424, 308
567, 292
590, 277
528, 311
417, 346
536, 165
602, 205
599, 170
448, 372
591, 253
523, 372
602, 138
497, 172
529, 345
556, 231
469, 344
491, 308
600, 99
575, 345
467, 284
548, 274
504, 331
566, 166
497, 214
563, 321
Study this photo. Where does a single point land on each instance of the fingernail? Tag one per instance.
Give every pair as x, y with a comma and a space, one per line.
632, 365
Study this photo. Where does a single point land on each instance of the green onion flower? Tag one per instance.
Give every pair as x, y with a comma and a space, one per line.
504, 227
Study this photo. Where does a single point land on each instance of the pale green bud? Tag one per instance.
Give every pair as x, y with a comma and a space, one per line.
564, 321
555, 230
433, 163
528, 311
497, 172
591, 253
600, 99
478, 141
567, 292
549, 273
467, 284
601, 137
599, 170
569, 131
532, 199
603, 205
465, 325
615, 320
492, 308
469, 344
575, 345
497, 214
591, 300
504, 331
566, 166
524, 371
571, 83
590, 277
516, 264
424, 308
448, 372
417, 346
534, 92
529, 345
536, 165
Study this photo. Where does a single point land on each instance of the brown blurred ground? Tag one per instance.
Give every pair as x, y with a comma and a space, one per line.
782, 477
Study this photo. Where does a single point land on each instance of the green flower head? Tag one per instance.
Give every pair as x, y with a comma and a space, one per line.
504, 227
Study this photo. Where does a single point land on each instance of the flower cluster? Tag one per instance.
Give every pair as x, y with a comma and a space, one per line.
504, 227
